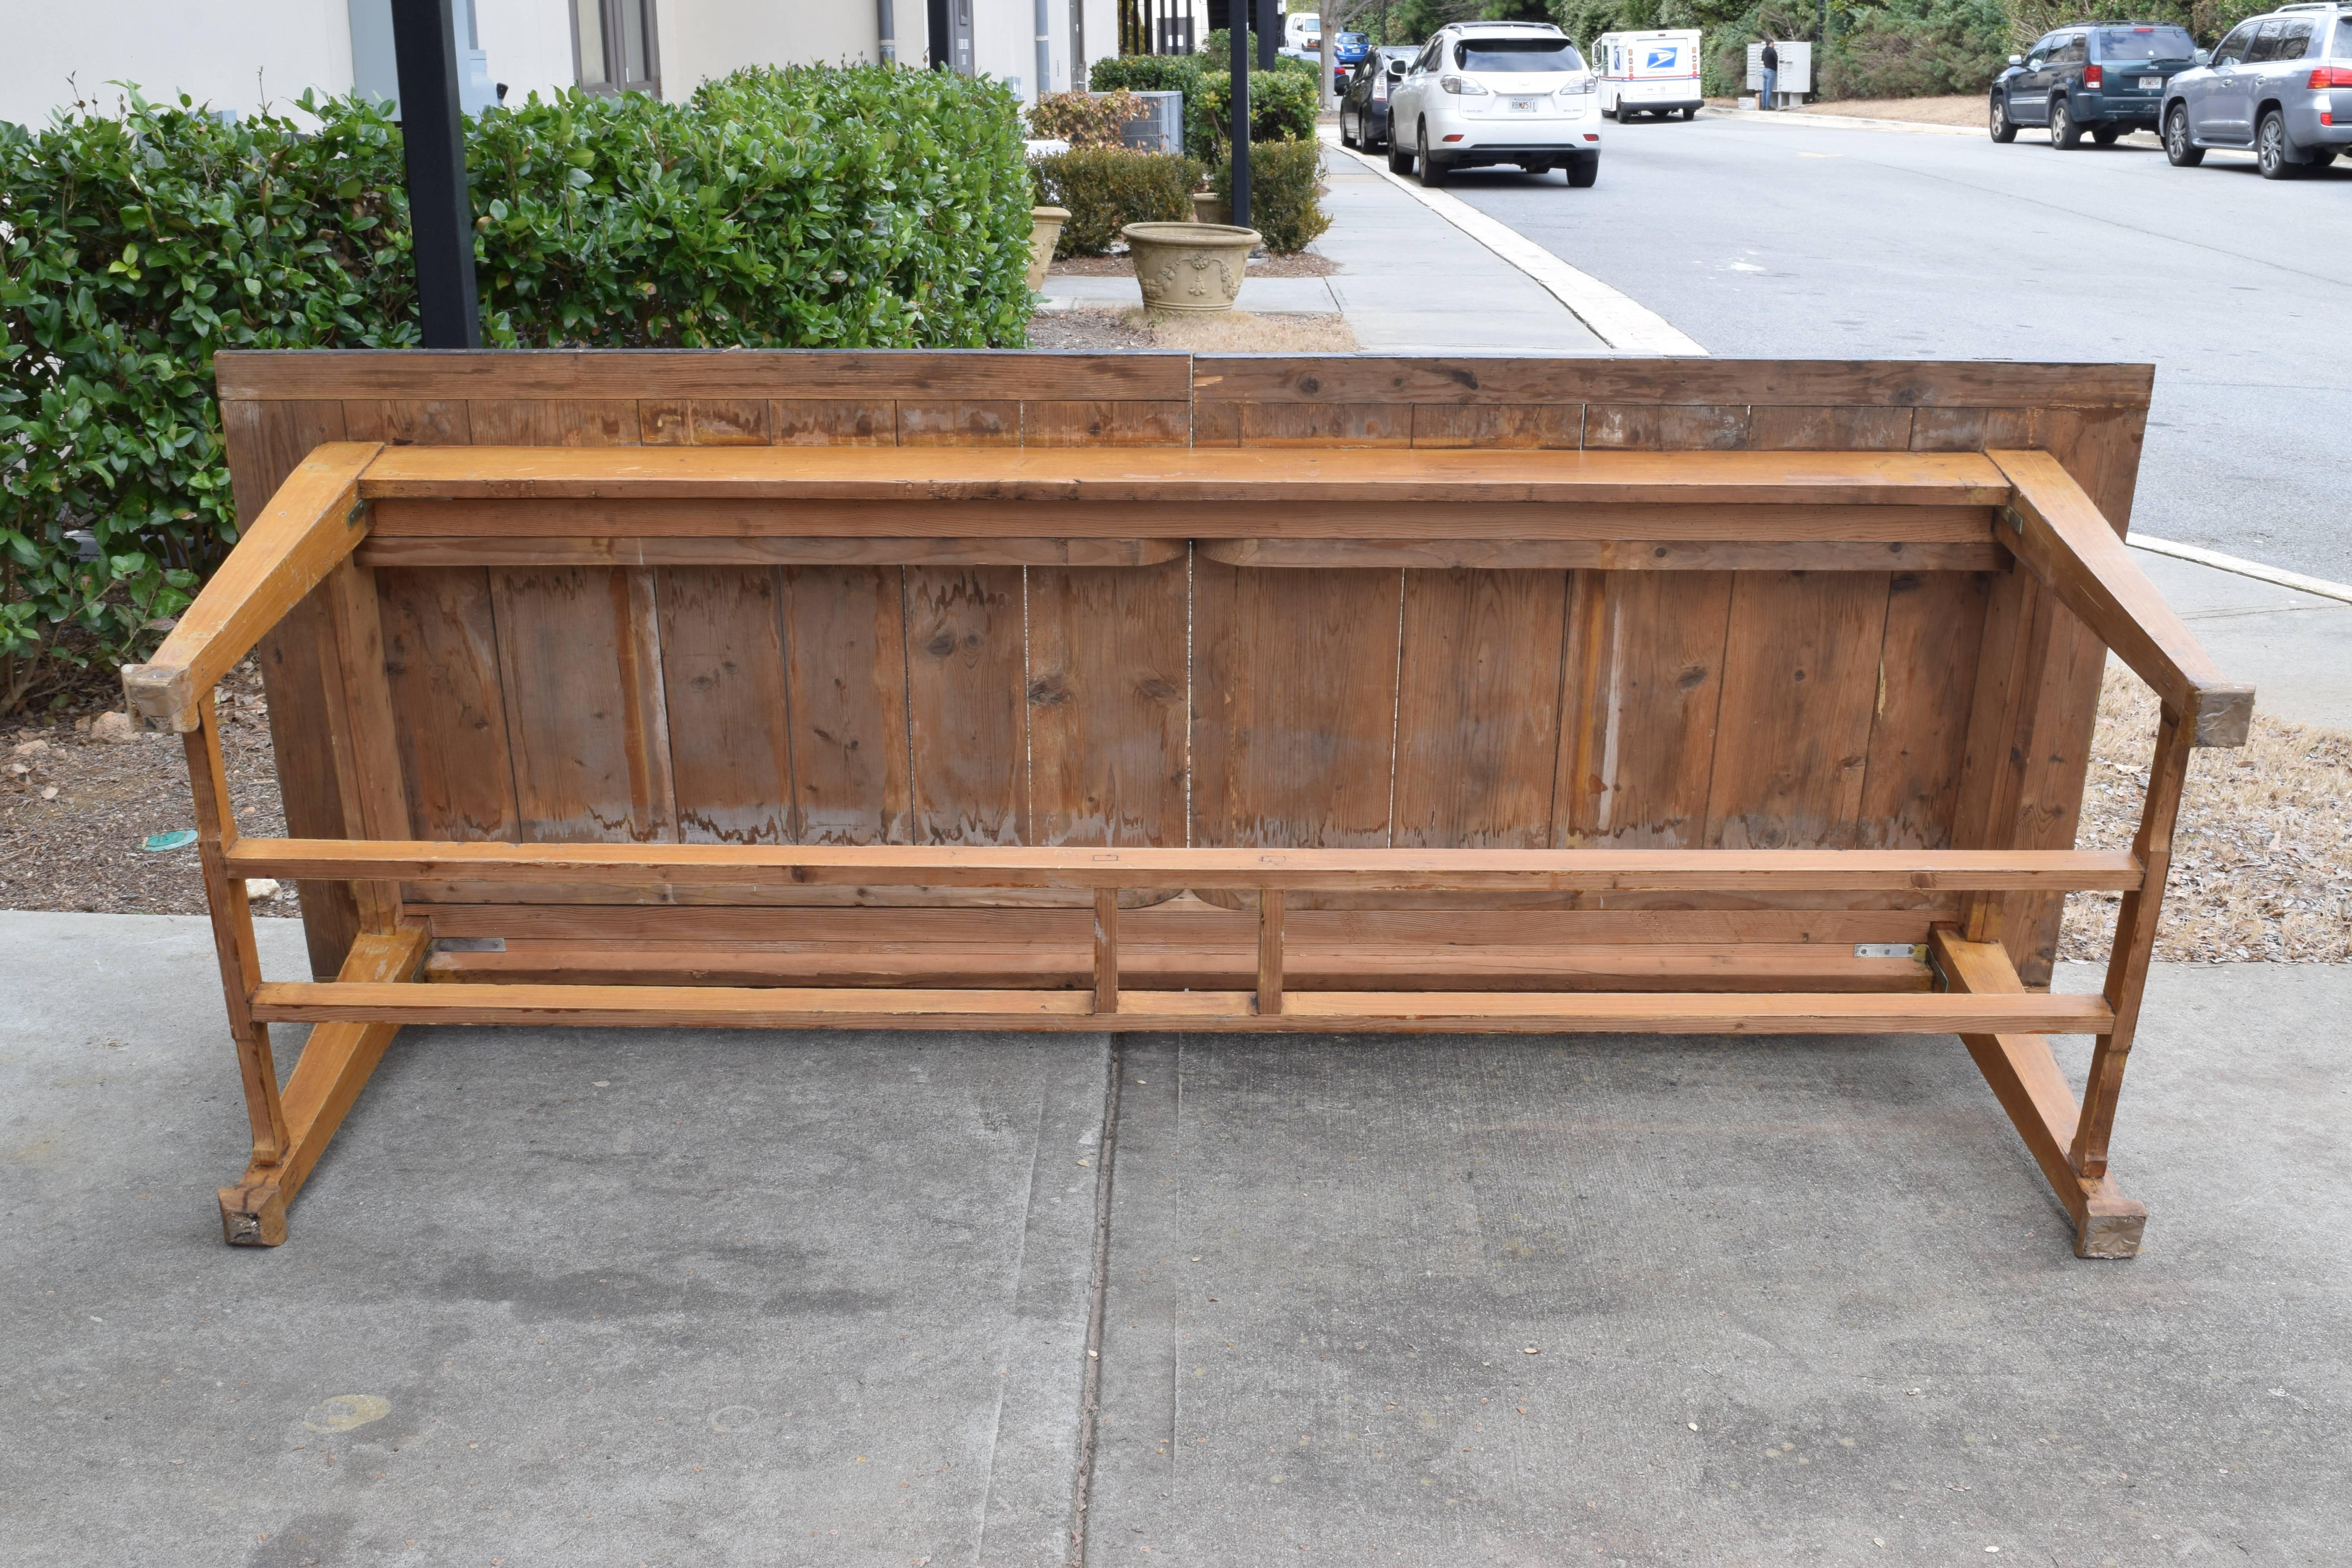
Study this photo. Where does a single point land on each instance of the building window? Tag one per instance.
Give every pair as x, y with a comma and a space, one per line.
614, 47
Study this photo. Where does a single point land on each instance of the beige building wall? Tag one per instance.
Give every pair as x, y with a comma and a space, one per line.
229, 54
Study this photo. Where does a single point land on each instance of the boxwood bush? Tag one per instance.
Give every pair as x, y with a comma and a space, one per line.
816, 206
1286, 188
1106, 188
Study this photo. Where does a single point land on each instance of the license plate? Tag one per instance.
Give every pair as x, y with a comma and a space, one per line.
1524, 105
2150, 83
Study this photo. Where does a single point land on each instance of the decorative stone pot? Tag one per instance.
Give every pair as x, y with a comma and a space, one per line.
1190, 266
1045, 233
1210, 208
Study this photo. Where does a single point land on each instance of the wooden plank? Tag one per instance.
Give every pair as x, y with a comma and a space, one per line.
703, 421
722, 663
1295, 705
1061, 423
1106, 706
441, 663
702, 373
590, 551
1528, 1012
1646, 662
1106, 971
590, 754
1184, 921
312, 523
1796, 429
267, 442
232, 937
1610, 554
1478, 708
295, 679
1666, 426
845, 688
1927, 684
362, 725
1970, 430
1269, 951
1428, 379
2025, 1077
1652, 523
944, 866
959, 422
1492, 426
408, 421
832, 422
966, 471
1219, 959
552, 421
2059, 536
2136, 925
1326, 425
1800, 686
966, 720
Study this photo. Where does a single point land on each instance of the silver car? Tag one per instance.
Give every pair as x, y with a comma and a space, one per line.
2281, 84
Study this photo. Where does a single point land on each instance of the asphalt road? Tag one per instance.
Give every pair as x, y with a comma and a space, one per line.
1780, 238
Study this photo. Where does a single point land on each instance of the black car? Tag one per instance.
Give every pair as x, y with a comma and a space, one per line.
1364, 102
2104, 78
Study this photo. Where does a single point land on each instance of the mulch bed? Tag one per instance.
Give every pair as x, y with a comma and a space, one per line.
71, 823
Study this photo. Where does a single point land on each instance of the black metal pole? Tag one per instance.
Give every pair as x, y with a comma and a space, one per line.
1269, 32
433, 138
1238, 147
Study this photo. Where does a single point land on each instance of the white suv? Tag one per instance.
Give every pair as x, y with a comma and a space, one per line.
1481, 93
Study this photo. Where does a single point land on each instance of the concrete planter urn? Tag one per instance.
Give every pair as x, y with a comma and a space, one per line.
1045, 233
1190, 266
1210, 208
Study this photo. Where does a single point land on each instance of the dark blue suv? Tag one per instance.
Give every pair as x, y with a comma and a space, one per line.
2104, 78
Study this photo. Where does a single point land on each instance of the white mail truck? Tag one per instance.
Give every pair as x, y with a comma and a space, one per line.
1647, 73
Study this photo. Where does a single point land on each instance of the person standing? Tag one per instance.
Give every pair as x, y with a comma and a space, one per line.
1771, 73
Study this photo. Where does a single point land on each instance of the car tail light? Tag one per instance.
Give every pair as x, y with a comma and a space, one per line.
1577, 84
1463, 84
2094, 77
2330, 76
1381, 88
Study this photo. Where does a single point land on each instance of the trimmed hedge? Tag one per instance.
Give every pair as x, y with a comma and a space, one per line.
1282, 108
859, 208
1106, 188
1144, 73
1286, 181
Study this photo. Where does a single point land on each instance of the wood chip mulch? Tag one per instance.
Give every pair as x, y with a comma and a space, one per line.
75, 809
2262, 856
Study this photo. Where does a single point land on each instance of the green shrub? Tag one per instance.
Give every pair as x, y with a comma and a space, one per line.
1106, 188
1286, 188
1082, 119
1282, 108
1909, 49
1144, 73
815, 206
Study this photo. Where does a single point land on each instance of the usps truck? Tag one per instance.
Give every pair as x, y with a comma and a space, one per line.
1648, 73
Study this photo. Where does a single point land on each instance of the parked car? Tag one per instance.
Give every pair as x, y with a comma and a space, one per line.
1648, 73
2104, 78
1303, 30
2281, 84
1350, 48
1482, 93
1364, 101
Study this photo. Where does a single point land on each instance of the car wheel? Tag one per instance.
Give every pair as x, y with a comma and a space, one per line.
2064, 135
1400, 160
1582, 171
1690, 114
2178, 150
2004, 129
2269, 149
1431, 174
2106, 135
1347, 138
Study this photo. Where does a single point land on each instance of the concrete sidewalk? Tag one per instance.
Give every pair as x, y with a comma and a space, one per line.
1408, 282
2295, 647
576, 1297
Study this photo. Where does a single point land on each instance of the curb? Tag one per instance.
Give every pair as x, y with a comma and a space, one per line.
1614, 318
2276, 577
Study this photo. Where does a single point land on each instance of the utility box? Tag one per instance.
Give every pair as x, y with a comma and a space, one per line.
1160, 127
1796, 70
